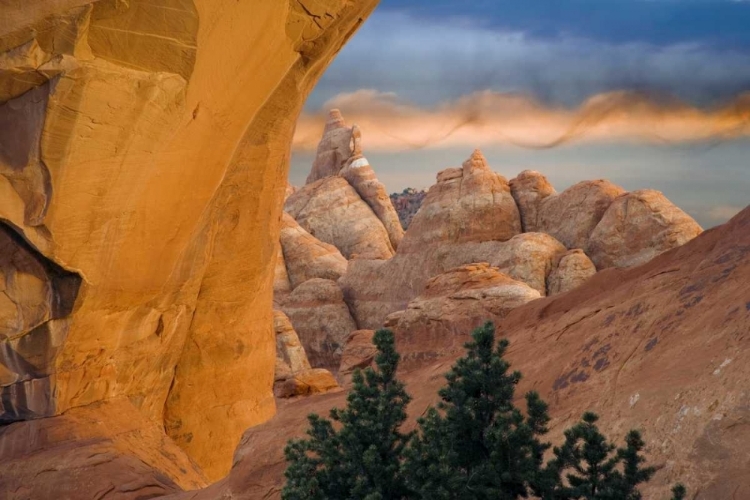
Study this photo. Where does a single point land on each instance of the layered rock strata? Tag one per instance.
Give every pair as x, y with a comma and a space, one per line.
141, 206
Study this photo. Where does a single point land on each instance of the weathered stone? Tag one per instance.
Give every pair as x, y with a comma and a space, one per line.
572, 215
439, 322
107, 449
526, 257
470, 206
529, 189
334, 149
322, 320
290, 355
282, 286
573, 269
307, 383
331, 210
306, 257
473, 204
637, 227
359, 352
121, 164
616, 345
360, 175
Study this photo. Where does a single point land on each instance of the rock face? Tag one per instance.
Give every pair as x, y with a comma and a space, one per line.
659, 347
148, 204
466, 207
290, 355
572, 215
359, 174
530, 189
472, 203
322, 321
293, 375
526, 257
305, 257
331, 210
334, 149
637, 227
573, 269
128, 457
307, 383
359, 352
440, 320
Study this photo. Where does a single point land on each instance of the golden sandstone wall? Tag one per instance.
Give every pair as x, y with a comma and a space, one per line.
144, 149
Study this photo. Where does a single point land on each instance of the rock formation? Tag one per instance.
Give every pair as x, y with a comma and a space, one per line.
331, 210
466, 207
472, 203
637, 227
140, 207
359, 352
658, 347
343, 203
530, 189
322, 320
526, 257
290, 355
572, 215
573, 269
359, 174
334, 149
307, 383
440, 320
293, 375
305, 257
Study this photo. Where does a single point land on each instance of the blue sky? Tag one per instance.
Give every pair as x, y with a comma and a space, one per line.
560, 53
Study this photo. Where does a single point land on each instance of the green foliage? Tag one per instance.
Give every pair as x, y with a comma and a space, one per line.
596, 469
362, 459
678, 492
479, 445
475, 445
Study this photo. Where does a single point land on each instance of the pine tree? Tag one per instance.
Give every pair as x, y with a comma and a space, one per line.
678, 492
596, 469
477, 444
361, 460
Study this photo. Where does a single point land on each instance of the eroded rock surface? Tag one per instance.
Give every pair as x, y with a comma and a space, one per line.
322, 320
290, 355
530, 188
359, 352
616, 345
466, 207
637, 227
306, 257
573, 269
360, 175
331, 210
572, 215
440, 320
121, 165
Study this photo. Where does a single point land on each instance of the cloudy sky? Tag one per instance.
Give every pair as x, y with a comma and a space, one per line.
646, 93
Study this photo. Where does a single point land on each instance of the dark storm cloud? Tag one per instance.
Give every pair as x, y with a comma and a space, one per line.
428, 59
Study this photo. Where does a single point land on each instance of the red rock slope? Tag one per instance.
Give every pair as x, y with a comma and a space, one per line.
661, 347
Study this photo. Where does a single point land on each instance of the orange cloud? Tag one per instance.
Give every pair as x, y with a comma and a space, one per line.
489, 118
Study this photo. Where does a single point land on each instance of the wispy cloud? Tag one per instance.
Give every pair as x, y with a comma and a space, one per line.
489, 118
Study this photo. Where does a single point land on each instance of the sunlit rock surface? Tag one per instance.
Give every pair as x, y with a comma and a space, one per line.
143, 159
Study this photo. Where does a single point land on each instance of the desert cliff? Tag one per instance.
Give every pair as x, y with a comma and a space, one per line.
144, 149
